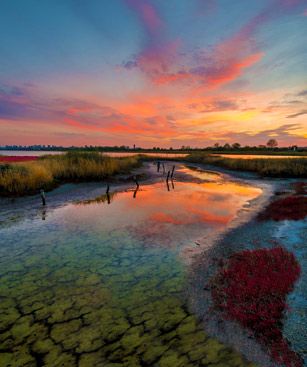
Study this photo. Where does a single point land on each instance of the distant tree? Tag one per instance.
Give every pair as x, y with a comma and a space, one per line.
272, 143
226, 146
236, 146
216, 145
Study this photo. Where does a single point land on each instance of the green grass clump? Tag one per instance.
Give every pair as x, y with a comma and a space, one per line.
283, 167
48, 171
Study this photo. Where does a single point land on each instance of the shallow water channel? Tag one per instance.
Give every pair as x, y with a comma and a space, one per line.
101, 281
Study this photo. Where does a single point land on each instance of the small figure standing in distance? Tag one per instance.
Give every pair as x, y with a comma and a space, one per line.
43, 197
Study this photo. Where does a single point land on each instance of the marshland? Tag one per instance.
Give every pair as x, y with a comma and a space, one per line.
111, 273
27, 174
153, 183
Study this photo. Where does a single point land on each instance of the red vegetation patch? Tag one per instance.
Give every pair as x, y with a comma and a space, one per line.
15, 159
300, 188
251, 289
292, 207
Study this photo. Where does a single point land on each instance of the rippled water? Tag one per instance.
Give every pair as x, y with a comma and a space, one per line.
100, 282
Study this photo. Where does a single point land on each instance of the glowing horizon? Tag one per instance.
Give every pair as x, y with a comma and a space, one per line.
153, 73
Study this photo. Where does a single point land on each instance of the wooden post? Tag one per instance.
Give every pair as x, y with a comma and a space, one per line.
158, 166
136, 181
163, 168
168, 173
173, 169
108, 189
43, 197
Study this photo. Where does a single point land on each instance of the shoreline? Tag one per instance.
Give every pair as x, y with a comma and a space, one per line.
250, 234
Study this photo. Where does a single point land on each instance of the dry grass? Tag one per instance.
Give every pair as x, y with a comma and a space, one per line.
47, 172
283, 167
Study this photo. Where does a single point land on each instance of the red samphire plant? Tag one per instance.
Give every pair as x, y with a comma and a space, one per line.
15, 159
251, 289
292, 207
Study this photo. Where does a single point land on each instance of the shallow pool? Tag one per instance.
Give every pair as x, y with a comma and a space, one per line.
100, 281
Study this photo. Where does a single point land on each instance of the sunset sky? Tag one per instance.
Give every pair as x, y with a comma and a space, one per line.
153, 72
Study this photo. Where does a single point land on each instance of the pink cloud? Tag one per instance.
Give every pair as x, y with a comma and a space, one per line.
156, 60
158, 52
148, 15
225, 62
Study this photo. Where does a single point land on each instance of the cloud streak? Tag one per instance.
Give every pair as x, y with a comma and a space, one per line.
224, 63
297, 114
173, 90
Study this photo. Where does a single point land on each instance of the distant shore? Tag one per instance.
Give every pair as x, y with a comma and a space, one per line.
41, 150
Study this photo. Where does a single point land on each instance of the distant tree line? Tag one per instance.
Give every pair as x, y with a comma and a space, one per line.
271, 145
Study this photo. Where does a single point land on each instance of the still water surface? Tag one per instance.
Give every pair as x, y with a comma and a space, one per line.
100, 282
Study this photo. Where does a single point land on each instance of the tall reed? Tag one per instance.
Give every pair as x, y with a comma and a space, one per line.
48, 171
283, 167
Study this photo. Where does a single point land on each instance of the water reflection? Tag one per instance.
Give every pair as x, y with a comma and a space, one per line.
198, 173
159, 215
135, 191
172, 185
94, 284
44, 213
108, 197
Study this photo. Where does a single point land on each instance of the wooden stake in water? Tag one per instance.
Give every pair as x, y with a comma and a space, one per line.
43, 197
108, 189
173, 169
136, 181
167, 178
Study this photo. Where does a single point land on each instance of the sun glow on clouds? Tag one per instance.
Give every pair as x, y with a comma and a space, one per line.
168, 92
